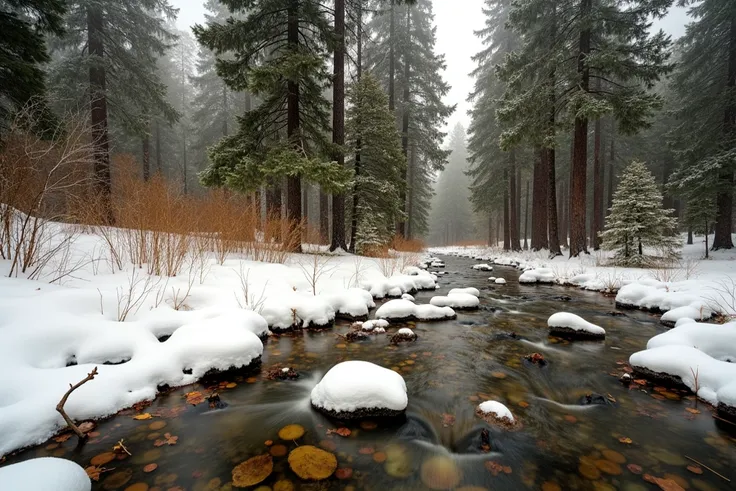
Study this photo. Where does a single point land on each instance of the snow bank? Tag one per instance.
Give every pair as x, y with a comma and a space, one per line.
675, 300
538, 275
44, 474
690, 349
404, 309
566, 324
483, 267
408, 297
397, 285
456, 300
356, 389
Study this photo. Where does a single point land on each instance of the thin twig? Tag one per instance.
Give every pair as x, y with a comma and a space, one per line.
60, 407
714, 472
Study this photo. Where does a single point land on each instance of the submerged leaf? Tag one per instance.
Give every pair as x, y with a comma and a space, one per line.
252, 471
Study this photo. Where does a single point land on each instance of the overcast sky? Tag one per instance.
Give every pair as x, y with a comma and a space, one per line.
455, 26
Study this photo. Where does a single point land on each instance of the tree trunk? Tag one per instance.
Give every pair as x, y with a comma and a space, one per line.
690, 235
706, 239
596, 224
539, 202
578, 180
553, 234
293, 183
324, 217
146, 156
611, 161
401, 228
724, 198
98, 109
273, 201
391, 59
338, 124
506, 236
226, 110
513, 211
526, 217
358, 143
159, 168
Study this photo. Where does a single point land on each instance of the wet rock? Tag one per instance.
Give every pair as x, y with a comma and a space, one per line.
215, 402
660, 378
404, 335
497, 414
562, 298
355, 336
280, 372
626, 378
504, 336
536, 359
726, 412
594, 399
616, 313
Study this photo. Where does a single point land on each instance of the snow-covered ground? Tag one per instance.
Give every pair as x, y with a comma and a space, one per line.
143, 331
691, 287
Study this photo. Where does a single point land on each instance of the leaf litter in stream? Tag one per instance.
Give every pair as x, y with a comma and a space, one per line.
311, 463
253, 471
291, 432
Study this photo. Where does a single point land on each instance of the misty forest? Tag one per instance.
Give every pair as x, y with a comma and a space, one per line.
363, 244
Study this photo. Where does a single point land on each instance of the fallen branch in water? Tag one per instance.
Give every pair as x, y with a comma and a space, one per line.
60, 407
705, 466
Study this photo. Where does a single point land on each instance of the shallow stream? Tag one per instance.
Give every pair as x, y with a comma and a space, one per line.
452, 366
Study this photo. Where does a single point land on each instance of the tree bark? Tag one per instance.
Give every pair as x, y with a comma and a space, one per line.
596, 223
724, 198
401, 228
513, 210
578, 171
338, 124
358, 143
293, 183
391, 58
553, 234
273, 201
98, 108
526, 217
506, 235
539, 202
146, 156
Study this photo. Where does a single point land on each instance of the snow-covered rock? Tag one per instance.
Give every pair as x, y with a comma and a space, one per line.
496, 413
44, 474
456, 301
565, 324
353, 303
298, 310
408, 297
538, 275
483, 267
399, 310
697, 355
500, 281
492, 278
468, 290
397, 285
373, 324
359, 389
675, 300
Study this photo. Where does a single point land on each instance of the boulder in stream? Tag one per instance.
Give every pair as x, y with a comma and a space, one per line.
571, 326
497, 414
360, 389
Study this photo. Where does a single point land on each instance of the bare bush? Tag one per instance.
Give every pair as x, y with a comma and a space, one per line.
721, 297
38, 178
131, 297
611, 280
315, 269
249, 299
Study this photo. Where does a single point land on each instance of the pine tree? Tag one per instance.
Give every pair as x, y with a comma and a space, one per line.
412, 42
280, 49
616, 61
382, 164
638, 219
24, 25
109, 54
452, 217
705, 83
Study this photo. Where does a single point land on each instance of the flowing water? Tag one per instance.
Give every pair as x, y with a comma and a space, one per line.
560, 444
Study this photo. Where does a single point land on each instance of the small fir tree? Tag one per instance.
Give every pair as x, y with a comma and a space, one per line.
378, 187
638, 219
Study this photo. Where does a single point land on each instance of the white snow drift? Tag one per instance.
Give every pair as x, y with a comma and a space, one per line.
404, 309
456, 301
360, 385
44, 474
537, 275
692, 349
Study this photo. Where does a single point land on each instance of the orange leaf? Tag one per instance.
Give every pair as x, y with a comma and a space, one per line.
340, 431
635, 469
664, 484
63, 438
142, 416
150, 467
695, 469
626, 440
194, 398
692, 410
168, 439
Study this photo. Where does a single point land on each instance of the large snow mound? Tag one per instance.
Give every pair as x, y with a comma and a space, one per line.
686, 299
397, 285
44, 474
351, 386
695, 349
456, 300
468, 290
566, 320
400, 309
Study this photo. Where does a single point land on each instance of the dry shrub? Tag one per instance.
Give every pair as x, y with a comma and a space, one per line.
39, 177
399, 243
